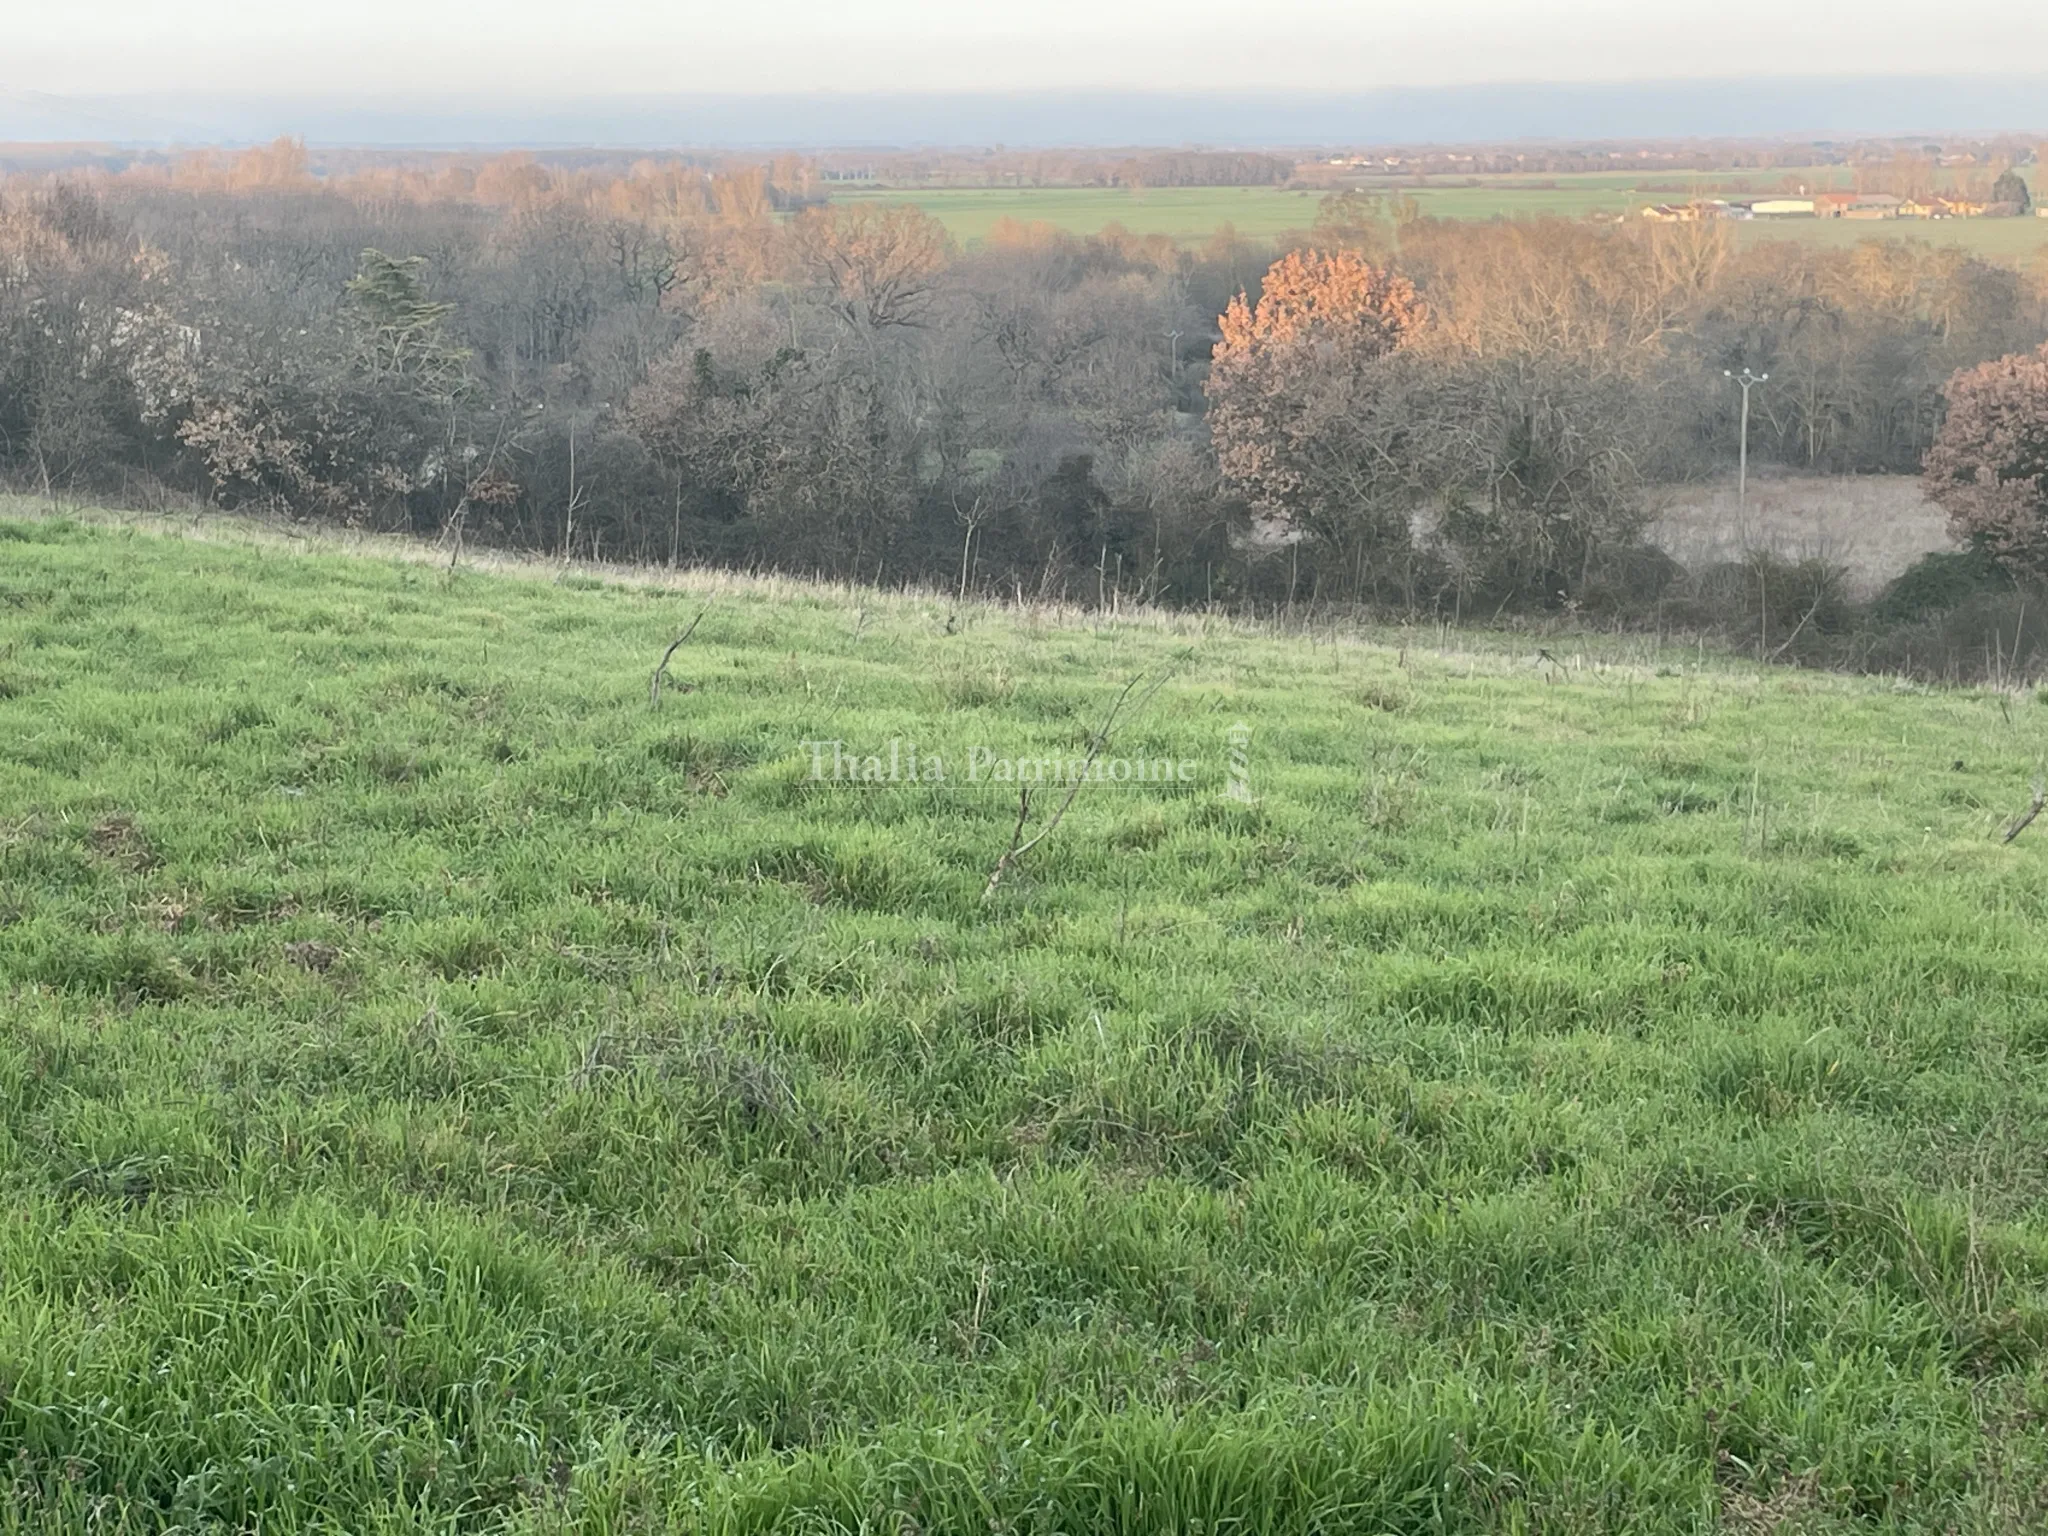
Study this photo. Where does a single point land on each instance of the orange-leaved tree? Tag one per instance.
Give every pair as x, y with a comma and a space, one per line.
1303, 403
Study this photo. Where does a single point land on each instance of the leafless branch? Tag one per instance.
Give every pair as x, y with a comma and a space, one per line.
2027, 820
1795, 631
654, 683
1016, 848
1019, 844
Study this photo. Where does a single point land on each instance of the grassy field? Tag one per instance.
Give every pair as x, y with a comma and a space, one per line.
1189, 214
442, 1091
1195, 214
1871, 528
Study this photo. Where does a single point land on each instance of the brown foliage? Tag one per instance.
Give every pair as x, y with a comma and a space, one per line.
1609, 297
680, 356
1988, 468
875, 264
1282, 368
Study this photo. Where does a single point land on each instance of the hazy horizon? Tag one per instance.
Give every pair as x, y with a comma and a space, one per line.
936, 71
776, 47
1757, 108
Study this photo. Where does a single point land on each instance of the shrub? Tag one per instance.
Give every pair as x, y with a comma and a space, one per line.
1795, 610
1938, 583
1989, 636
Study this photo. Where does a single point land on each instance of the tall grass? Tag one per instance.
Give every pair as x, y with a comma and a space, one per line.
440, 1092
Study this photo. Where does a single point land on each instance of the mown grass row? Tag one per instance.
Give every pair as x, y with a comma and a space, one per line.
440, 1091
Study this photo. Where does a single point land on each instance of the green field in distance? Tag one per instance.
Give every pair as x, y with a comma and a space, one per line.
1193, 215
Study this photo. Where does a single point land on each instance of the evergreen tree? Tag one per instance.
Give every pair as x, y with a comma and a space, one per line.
2011, 187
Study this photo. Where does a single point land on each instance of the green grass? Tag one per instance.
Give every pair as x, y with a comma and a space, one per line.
1193, 215
441, 1092
1188, 214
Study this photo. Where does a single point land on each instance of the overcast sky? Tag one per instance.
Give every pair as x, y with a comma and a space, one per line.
547, 49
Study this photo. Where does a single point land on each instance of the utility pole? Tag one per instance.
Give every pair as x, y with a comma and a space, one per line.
1748, 381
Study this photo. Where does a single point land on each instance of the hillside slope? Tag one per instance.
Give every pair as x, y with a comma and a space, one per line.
442, 1090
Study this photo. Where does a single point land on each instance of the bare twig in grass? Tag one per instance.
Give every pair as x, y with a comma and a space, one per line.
2026, 820
1796, 628
970, 1335
1019, 844
1016, 844
451, 533
654, 683
593, 1059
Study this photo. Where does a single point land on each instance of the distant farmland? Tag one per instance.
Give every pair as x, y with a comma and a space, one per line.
1195, 214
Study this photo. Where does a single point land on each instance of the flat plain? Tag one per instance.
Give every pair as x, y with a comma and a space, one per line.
1194, 215
443, 1089
1870, 527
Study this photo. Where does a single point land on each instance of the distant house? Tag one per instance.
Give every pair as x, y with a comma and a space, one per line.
1782, 207
1940, 208
1682, 213
1856, 205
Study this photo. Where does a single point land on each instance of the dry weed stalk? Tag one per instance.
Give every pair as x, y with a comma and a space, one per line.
661, 669
2027, 818
1019, 844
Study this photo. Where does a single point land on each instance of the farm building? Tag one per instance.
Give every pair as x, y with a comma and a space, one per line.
1685, 213
1948, 208
1856, 205
1782, 207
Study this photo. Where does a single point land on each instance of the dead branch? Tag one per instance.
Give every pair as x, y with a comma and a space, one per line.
452, 531
1796, 628
1015, 851
2027, 820
654, 683
1019, 845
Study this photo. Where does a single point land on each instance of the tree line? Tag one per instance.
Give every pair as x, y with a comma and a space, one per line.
679, 366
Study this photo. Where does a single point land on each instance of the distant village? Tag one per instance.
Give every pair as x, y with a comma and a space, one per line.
1838, 205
